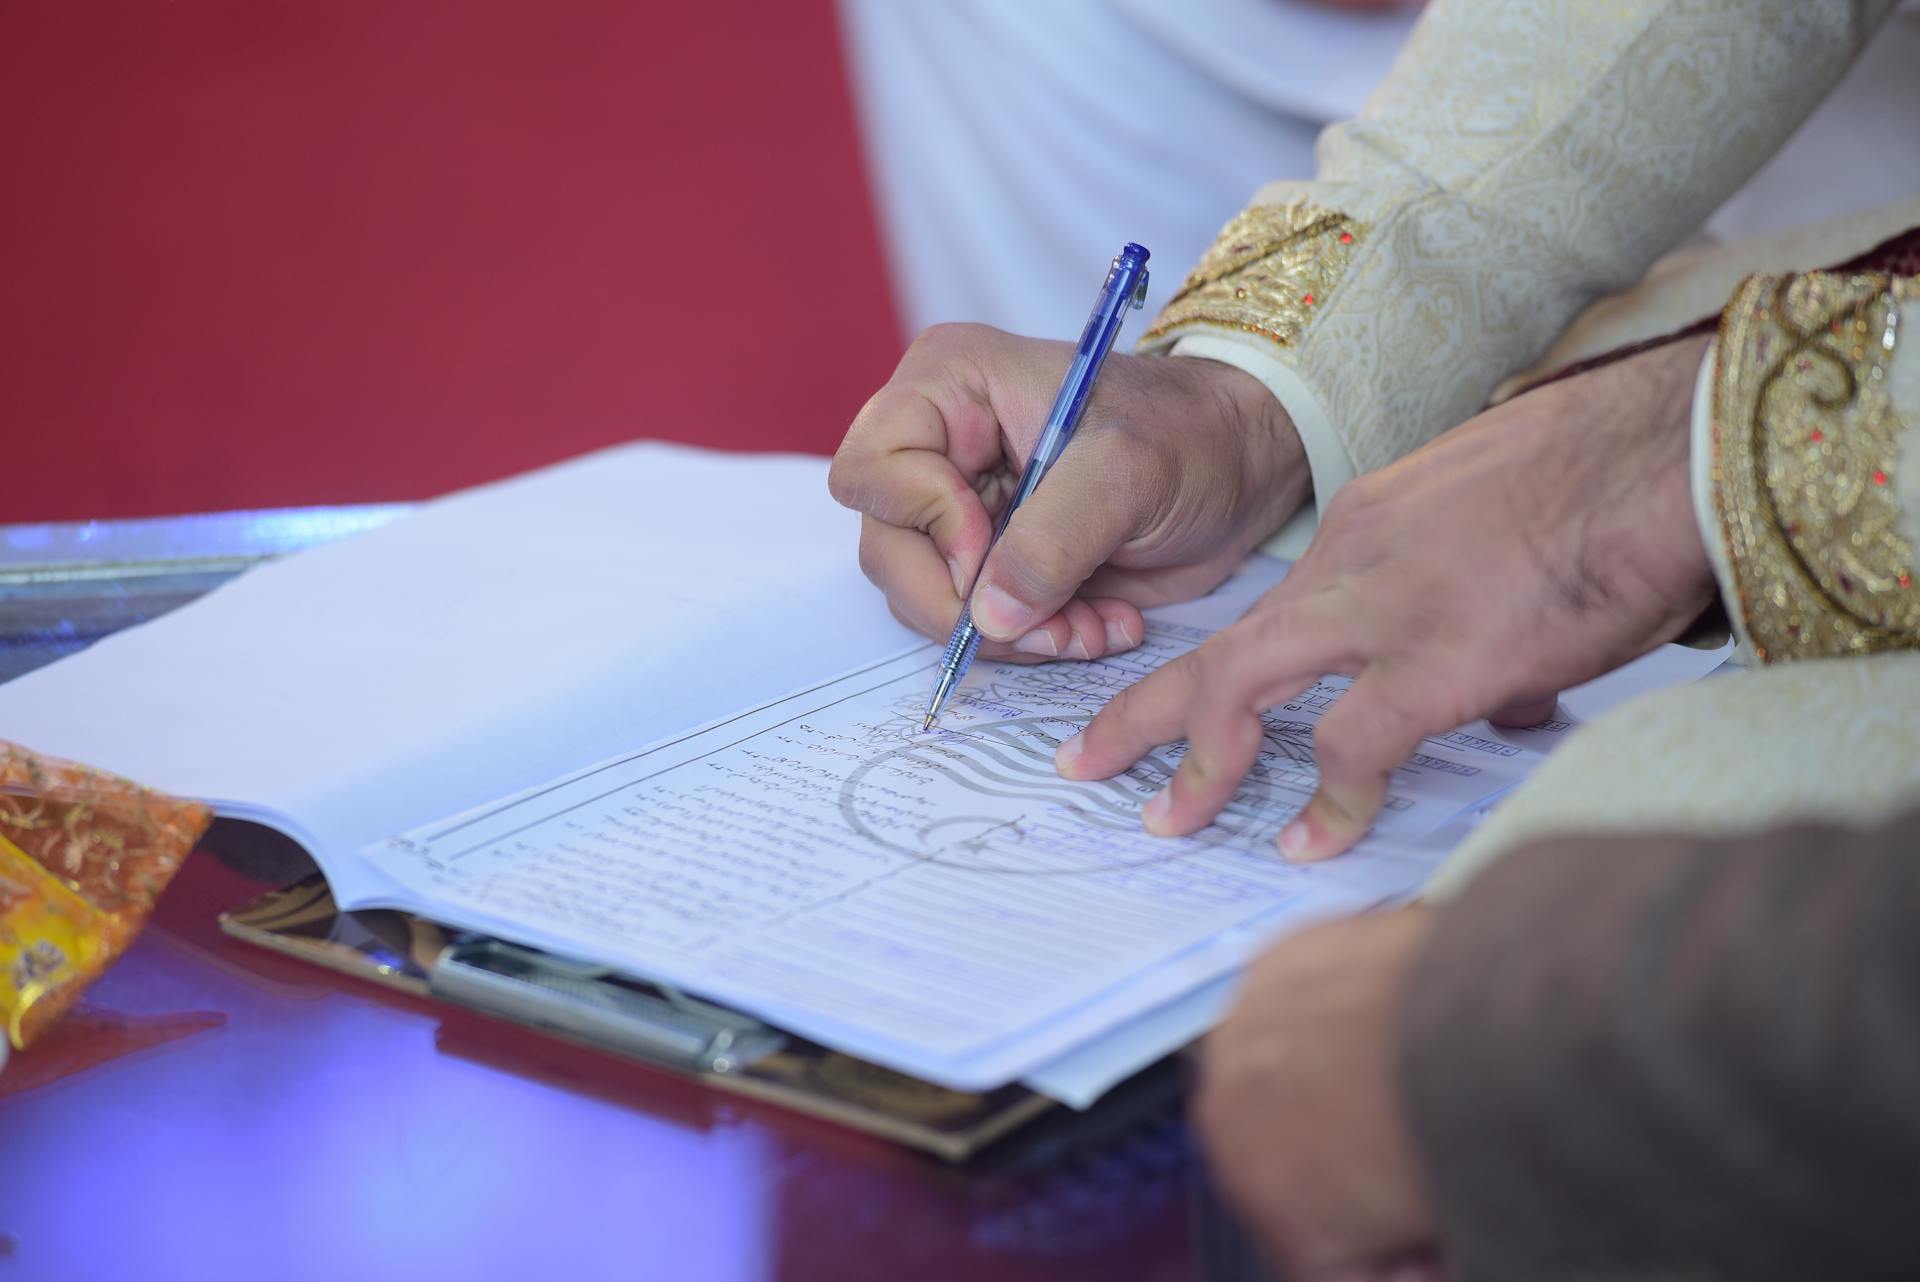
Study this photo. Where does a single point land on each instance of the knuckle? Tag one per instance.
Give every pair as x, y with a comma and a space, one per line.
1122, 711
1334, 752
1219, 673
947, 336
1353, 500
1200, 769
842, 482
871, 562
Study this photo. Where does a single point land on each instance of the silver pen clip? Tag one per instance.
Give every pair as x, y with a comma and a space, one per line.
597, 1006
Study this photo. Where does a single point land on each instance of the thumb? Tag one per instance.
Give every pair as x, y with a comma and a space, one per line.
1076, 518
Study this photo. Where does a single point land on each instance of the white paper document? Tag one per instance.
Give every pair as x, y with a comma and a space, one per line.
940, 902
495, 638
678, 735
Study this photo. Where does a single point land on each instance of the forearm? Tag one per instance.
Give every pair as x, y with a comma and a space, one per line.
1519, 161
1675, 1059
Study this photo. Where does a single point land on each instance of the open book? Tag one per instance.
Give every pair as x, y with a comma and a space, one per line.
641, 709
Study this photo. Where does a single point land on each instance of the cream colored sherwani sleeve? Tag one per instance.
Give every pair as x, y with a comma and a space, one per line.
1520, 160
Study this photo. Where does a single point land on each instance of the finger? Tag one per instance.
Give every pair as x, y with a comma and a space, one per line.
1265, 658
1222, 741
1362, 739
1223, 732
918, 593
941, 397
1150, 712
922, 491
1122, 625
908, 568
1523, 714
1065, 530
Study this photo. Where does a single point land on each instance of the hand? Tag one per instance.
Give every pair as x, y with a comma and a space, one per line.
1300, 1105
1546, 542
1179, 468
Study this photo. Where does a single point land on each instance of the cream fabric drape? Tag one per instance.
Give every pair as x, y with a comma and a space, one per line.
1520, 161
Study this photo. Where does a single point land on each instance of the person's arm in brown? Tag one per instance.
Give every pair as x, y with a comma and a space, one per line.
1676, 1059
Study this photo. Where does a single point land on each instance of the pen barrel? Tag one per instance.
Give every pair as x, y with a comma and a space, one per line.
1125, 289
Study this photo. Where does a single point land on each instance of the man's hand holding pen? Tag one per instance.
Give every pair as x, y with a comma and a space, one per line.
1182, 468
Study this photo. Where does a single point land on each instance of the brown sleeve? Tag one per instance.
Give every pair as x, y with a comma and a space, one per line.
1676, 1059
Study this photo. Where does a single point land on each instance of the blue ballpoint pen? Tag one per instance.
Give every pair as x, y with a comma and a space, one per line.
1125, 289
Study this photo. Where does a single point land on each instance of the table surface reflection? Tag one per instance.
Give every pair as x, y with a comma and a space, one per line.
214, 1111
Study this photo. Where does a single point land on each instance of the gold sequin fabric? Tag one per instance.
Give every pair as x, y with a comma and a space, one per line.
84, 856
1265, 274
1805, 451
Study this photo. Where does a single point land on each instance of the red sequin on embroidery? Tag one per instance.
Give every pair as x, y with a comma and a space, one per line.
1879, 478
1307, 299
1346, 238
1817, 436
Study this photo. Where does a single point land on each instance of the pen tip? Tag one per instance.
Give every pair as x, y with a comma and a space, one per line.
927, 724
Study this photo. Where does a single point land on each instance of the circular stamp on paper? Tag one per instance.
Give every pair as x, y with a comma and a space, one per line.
985, 797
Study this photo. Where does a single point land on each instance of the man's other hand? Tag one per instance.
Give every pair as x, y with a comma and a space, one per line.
1300, 1107
1545, 543
1180, 467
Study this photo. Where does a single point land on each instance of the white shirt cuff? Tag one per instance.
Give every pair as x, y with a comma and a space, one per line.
1327, 458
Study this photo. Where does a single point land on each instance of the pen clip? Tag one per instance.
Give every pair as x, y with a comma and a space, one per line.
594, 1005
1139, 298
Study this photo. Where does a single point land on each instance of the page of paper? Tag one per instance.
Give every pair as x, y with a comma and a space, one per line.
939, 902
494, 639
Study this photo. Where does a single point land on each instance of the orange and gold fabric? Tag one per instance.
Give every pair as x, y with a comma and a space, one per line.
83, 858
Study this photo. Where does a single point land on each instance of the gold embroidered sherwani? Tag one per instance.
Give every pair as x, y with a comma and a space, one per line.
1806, 477
1521, 162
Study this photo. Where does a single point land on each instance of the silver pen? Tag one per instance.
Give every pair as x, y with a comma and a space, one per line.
1125, 289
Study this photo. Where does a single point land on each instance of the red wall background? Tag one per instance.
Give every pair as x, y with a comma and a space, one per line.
264, 252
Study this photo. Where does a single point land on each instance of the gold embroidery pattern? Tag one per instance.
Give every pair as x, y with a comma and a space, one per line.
1267, 273
1805, 440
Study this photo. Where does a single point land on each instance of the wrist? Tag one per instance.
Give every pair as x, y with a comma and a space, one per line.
1638, 538
1680, 538
1273, 473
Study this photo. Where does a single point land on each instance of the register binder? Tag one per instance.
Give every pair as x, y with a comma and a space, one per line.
660, 1026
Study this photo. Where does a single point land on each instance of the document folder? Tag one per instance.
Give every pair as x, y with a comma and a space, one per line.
659, 1026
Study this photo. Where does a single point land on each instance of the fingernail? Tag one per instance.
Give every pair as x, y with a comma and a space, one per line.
1118, 638
1153, 815
959, 576
1069, 752
1294, 839
998, 614
1040, 642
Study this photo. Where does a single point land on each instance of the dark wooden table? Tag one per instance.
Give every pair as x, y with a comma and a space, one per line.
216, 1112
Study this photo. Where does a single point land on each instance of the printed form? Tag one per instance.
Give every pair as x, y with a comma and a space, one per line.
940, 902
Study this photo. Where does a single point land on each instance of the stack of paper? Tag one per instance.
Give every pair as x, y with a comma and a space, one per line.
640, 709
